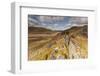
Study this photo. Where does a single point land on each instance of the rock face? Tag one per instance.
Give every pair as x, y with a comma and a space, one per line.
68, 44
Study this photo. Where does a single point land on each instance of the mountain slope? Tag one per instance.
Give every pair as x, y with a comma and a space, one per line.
67, 44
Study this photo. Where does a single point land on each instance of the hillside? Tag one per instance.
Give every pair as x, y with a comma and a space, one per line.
38, 30
45, 44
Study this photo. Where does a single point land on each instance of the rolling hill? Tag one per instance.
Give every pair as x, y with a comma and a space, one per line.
46, 44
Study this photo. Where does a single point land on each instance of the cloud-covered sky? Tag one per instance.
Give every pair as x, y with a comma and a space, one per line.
56, 22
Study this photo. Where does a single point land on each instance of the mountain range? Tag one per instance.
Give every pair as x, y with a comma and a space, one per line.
47, 44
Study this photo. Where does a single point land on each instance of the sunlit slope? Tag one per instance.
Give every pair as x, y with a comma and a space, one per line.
45, 44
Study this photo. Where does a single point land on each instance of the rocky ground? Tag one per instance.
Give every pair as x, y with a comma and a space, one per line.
44, 44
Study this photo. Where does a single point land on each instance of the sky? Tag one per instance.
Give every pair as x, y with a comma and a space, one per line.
56, 22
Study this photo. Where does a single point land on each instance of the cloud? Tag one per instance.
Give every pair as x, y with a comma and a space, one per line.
50, 18
78, 20
32, 21
56, 22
